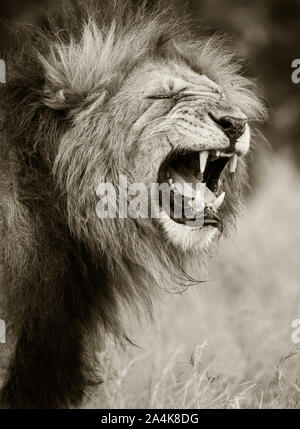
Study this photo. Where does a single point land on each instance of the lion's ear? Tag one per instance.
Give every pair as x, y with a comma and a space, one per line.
77, 69
63, 99
56, 100
57, 90
60, 91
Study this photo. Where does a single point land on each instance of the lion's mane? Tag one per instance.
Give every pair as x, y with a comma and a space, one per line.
64, 273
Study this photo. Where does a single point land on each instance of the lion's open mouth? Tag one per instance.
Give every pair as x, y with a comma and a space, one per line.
193, 177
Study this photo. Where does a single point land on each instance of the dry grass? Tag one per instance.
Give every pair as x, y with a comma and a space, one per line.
226, 343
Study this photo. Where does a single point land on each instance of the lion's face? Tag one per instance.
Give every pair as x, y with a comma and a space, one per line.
182, 128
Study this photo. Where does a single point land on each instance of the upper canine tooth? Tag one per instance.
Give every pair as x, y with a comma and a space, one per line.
218, 202
233, 164
218, 153
203, 160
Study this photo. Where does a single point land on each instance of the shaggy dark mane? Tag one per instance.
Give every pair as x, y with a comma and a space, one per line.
55, 291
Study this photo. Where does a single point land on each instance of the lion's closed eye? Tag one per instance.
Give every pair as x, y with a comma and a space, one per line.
170, 93
161, 96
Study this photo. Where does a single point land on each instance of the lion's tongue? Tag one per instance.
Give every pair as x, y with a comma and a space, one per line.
190, 184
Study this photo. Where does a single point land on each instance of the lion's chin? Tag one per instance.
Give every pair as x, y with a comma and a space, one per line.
187, 238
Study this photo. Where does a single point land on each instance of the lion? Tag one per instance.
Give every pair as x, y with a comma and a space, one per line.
97, 90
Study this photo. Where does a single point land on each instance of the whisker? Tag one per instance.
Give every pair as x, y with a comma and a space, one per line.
265, 140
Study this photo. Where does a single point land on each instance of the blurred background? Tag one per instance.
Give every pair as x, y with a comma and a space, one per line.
227, 342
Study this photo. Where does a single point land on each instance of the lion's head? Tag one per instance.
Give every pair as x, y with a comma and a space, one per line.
104, 90
133, 93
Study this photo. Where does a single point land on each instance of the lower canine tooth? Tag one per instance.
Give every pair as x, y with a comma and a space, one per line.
218, 202
233, 164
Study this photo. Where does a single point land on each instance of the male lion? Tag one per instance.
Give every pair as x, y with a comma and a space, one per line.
98, 91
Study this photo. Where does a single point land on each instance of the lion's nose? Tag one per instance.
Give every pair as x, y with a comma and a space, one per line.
232, 127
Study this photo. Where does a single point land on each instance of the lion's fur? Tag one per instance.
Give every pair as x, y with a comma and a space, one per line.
65, 275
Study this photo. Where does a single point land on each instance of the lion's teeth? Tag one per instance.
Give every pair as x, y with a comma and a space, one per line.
233, 163
218, 153
219, 201
203, 160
